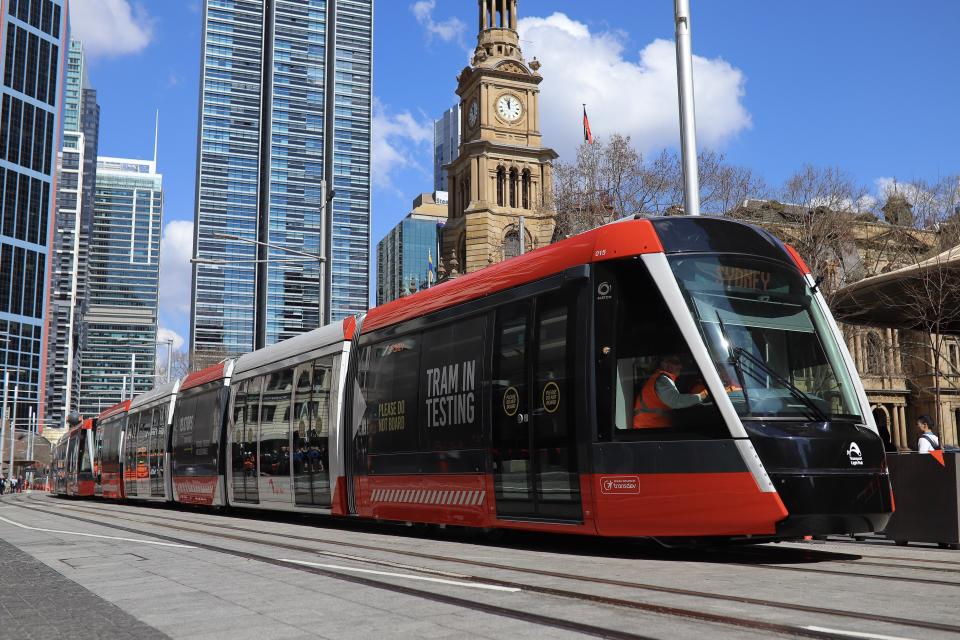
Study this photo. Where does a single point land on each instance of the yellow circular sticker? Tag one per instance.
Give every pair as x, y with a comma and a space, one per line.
551, 397
511, 401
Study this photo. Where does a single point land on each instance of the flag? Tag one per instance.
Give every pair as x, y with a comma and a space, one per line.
587, 134
431, 269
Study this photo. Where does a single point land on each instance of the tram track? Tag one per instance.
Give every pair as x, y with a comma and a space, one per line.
803, 555
749, 623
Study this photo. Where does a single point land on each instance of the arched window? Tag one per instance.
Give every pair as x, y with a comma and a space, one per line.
874, 349
501, 185
514, 178
511, 245
526, 188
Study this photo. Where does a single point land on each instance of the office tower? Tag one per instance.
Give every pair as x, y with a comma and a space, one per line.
119, 350
76, 178
32, 37
407, 255
446, 145
284, 108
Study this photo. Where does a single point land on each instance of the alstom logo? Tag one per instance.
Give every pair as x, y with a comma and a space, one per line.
856, 457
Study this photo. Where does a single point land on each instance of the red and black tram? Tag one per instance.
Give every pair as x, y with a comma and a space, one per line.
73, 467
507, 398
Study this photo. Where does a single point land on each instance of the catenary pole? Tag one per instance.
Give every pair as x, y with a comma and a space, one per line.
688, 120
13, 429
6, 418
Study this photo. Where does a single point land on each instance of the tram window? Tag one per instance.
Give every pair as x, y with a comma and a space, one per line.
450, 374
390, 392
184, 424
275, 424
82, 455
635, 334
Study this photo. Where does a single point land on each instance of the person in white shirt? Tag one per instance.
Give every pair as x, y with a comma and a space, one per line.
928, 439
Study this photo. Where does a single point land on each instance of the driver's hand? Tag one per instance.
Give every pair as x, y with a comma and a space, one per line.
703, 395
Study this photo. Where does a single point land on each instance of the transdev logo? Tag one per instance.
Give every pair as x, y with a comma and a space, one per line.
853, 452
612, 485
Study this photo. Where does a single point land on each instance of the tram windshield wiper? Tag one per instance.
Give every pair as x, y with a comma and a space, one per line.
816, 412
734, 361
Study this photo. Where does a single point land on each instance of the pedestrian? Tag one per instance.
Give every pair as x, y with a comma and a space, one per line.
928, 439
3, 484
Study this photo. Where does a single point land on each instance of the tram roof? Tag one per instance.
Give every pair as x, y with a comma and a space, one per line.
296, 348
157, 393
626, 238
121, 407
218, 371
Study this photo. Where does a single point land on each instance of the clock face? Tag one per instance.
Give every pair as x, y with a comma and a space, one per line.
473, 114
509, 107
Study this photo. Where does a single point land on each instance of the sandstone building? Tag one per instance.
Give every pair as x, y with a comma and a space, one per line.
503, 171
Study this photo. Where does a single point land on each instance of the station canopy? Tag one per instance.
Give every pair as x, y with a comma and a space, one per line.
912, 297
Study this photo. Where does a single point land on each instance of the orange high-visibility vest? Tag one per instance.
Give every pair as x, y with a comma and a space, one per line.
649, 411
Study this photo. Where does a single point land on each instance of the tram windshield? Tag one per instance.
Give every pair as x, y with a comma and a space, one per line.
772, 346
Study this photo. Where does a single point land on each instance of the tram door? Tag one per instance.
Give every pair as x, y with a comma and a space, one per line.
534, 447
274, 485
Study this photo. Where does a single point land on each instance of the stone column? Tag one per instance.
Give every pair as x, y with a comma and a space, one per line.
904, 428
474, 181
897, 356
513, 14
888, 345
858, 353
893, 424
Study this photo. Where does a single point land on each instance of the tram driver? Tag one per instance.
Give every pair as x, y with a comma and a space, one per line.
659, 396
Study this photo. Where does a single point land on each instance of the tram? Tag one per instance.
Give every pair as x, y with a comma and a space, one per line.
509, 398
73, 465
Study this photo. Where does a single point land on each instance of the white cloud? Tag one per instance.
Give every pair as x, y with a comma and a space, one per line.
397, 141
449, 30
164, 334
111, 27
632, 97
176, 273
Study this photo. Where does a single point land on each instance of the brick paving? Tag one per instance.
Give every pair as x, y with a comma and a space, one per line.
37, 602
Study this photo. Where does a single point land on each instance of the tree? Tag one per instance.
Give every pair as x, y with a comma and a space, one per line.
816, 212
179, 366
929, 296
610, 179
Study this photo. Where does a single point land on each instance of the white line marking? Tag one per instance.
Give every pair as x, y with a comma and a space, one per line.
472, 585
856, 634
94, 535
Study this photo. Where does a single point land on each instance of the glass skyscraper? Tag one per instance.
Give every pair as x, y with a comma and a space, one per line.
32, 37
119, 349
405, 254
76, 177
284, 106
446, 145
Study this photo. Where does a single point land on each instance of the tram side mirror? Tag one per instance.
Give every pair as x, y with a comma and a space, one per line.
816, 284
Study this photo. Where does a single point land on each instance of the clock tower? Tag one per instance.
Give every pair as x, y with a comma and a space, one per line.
503, 172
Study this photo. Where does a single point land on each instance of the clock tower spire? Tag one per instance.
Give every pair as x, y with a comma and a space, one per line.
503, 171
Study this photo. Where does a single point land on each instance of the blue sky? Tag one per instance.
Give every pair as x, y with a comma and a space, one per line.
870, 86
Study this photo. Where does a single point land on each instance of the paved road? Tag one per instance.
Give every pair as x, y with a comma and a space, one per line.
85, 569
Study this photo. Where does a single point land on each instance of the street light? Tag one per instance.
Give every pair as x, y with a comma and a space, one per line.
169, 343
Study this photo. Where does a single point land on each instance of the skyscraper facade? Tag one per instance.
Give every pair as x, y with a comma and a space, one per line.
407, 255
446, 145
119, 350
76, 177
284, 109
32, 37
